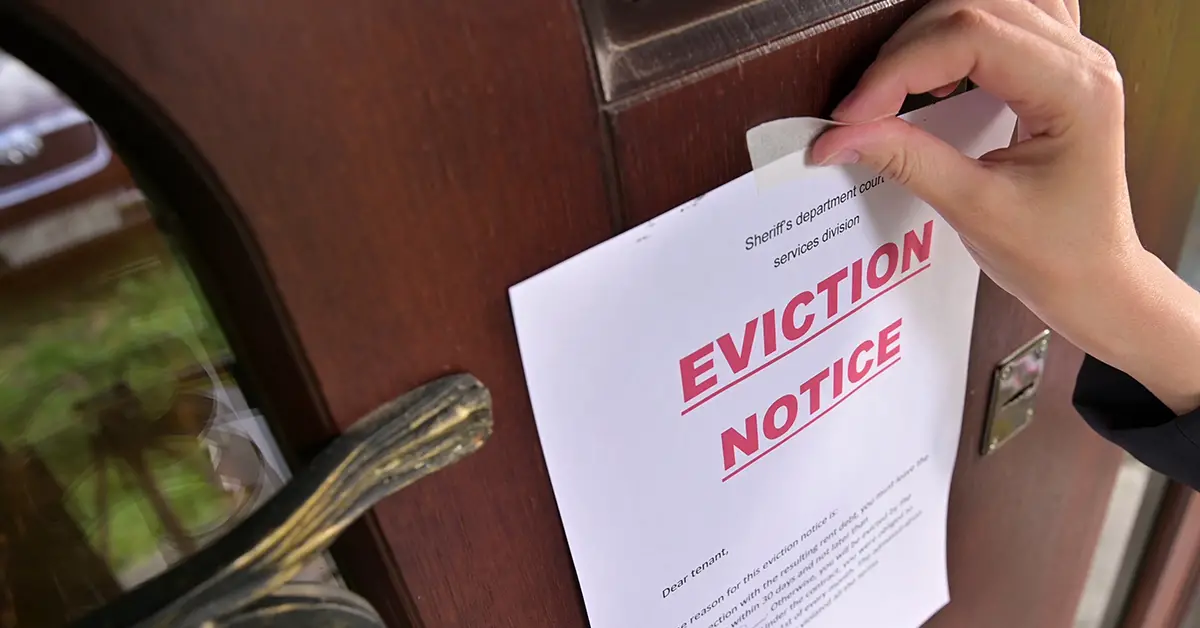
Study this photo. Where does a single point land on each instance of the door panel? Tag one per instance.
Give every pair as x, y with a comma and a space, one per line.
1023, 521
398, 167
695, 127
1157, 51
385, 172
1157, 47
126, 441
643, 43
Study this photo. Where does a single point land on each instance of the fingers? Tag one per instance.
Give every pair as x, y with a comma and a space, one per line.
1038, 78
945, 90
1072, 7
933, 170
1030, 14
1058, 10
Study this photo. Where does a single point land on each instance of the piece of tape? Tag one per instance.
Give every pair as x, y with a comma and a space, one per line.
779, 149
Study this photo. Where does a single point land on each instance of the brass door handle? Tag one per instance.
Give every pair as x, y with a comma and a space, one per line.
304, 606
400, 442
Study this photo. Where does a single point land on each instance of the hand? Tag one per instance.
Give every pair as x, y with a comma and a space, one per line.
1048, 218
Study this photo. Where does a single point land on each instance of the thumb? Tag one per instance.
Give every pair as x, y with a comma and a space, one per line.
931, 169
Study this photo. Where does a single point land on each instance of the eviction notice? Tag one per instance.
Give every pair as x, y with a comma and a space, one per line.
750, 405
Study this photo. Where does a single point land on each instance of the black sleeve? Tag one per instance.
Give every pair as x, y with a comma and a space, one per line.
1124, 412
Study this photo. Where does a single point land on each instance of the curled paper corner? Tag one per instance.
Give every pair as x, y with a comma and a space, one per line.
779, 149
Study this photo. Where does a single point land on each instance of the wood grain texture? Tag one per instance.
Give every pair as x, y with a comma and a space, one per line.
398, 166
1023, 521
641, 43
682, 140
1157, 47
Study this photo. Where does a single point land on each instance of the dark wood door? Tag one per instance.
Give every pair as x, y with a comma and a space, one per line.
362, 182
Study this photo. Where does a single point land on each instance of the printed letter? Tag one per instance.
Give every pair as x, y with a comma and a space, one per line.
889, 341
839, 370
829, 285
790, 330
856, 374
769, 343
689, 371
813, 388
914, 247
789, 404
738, 360
856, 281
747, 444
892, 253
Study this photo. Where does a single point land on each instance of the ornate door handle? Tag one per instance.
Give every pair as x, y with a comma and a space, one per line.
230, 582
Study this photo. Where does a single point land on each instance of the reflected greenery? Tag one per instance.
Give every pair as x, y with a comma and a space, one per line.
106, 392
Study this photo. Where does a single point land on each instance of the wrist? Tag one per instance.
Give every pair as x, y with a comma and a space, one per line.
1144, 320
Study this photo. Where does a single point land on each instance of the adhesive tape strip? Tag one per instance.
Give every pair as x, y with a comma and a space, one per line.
779, 149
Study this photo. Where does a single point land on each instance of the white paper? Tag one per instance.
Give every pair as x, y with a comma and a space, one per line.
779, 149
834, 522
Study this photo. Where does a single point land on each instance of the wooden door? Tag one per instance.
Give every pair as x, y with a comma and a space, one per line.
361, 182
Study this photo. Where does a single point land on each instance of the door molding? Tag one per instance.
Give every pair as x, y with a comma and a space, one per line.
232, 275
1167, 579
1156, 49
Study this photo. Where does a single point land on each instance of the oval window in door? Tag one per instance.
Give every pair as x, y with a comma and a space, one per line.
126, 442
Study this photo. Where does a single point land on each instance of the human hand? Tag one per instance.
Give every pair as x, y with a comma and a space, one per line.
1048, 218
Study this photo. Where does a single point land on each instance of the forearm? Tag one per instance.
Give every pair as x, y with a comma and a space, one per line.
1049, 217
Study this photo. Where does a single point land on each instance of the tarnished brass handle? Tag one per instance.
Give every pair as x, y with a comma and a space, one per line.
402, 441
304, 606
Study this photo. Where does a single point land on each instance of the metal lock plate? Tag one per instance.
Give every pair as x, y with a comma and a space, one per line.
1015, 383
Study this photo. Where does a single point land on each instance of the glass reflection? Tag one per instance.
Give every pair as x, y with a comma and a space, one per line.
125, 442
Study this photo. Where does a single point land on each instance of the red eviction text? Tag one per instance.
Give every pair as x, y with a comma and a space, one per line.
722, 363
742, 445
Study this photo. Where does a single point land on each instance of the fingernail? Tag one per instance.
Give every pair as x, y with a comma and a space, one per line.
840, 111
842, 158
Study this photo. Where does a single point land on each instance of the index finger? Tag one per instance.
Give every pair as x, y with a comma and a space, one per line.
935, 12
1037, 77
1073, 10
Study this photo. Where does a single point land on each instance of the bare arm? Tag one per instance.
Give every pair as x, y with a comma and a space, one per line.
1048, 218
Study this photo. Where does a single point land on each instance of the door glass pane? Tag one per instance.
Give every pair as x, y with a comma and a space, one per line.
1189, 269
1132, 507
1189, 258
125, 441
